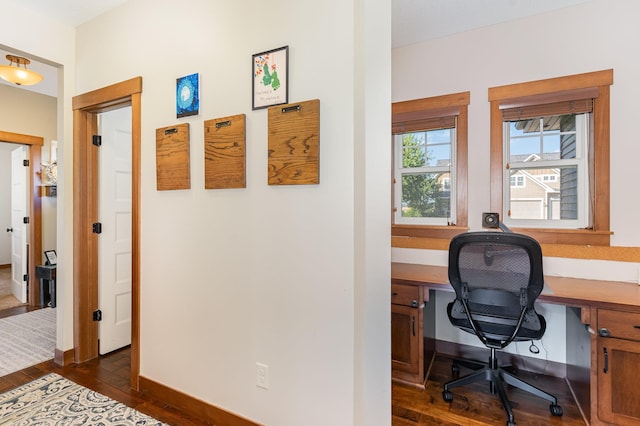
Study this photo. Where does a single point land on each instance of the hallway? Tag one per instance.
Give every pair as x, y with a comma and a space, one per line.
7, 300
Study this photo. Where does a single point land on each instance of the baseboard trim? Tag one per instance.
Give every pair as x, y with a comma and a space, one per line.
63, 358
519, 361
193, 406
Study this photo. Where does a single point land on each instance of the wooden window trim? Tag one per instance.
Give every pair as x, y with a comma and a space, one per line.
428, 109
596, 84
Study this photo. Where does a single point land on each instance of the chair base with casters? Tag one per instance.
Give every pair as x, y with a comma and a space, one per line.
497, 378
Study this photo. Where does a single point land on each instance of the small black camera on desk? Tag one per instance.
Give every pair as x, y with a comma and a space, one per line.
492, 220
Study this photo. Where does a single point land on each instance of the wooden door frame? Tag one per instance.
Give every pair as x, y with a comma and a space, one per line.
86, 108
35, 208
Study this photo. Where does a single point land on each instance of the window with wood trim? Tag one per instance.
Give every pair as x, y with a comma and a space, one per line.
549, 141
430, 166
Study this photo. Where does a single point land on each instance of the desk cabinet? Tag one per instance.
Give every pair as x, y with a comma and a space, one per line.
407, 341
618, 362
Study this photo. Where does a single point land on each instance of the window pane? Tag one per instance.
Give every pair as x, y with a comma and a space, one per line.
413, 150
548, 194
426, 195
543, 138
426, 149
551, 146
522, 148
438, 155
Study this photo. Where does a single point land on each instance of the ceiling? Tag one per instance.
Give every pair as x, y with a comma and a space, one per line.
413, 21
70, 12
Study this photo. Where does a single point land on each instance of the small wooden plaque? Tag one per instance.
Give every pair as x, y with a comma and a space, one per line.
172, 158
294, 143
224, 152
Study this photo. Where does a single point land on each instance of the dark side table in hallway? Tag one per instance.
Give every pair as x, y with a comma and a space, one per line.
47, 293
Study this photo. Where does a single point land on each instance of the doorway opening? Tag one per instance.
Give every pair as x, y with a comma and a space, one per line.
33, 212
86, 110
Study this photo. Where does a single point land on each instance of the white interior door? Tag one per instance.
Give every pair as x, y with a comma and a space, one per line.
19, 179
114, 258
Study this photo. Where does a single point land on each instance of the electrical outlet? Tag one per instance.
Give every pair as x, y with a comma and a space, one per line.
262, 375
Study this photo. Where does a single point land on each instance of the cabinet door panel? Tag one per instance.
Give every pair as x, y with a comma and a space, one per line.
405, 338
618, 390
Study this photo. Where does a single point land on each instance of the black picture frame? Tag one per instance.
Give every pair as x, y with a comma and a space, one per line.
270, 78
51, 257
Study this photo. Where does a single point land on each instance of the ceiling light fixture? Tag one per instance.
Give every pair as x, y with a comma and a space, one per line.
17, 75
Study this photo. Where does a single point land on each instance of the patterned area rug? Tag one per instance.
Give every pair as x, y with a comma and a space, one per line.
53, 400
27, 339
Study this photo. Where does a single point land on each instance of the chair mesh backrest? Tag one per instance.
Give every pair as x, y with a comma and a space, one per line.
497, 262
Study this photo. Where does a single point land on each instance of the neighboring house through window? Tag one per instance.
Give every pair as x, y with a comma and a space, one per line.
430, 166
536, 147
549, 140
425, 160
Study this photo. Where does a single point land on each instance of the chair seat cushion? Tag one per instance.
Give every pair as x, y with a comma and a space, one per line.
497, 325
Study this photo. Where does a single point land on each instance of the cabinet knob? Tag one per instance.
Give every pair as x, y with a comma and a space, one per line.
414, 303
9, 229
604, 332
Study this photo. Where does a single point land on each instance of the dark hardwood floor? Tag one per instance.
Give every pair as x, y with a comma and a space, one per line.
473, 405
108, 375
22, 309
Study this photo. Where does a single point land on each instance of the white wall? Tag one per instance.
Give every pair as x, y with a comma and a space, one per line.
589, 37
281, 275
53, 42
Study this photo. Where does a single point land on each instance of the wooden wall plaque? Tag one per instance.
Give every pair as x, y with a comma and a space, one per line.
172, 158
224, 152
294, 143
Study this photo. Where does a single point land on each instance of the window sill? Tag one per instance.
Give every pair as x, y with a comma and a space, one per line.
579, 237
425, 231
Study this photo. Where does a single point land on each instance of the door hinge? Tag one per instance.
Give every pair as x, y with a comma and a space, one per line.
96, 140
97, 315
25, 163
25, 278
96, 228
25, 219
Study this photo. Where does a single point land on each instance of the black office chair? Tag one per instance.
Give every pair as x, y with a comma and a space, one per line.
497, 278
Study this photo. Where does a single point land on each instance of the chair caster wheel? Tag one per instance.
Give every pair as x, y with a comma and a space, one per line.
455, 370
511, 423
447, 396
556, 410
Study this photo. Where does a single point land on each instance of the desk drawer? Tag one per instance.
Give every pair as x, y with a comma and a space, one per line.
624, 325
407, 295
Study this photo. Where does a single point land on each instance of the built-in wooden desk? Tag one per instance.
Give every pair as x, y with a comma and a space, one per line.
565, 291
609, 309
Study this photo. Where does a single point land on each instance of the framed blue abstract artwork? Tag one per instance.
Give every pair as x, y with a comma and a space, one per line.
187, 96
